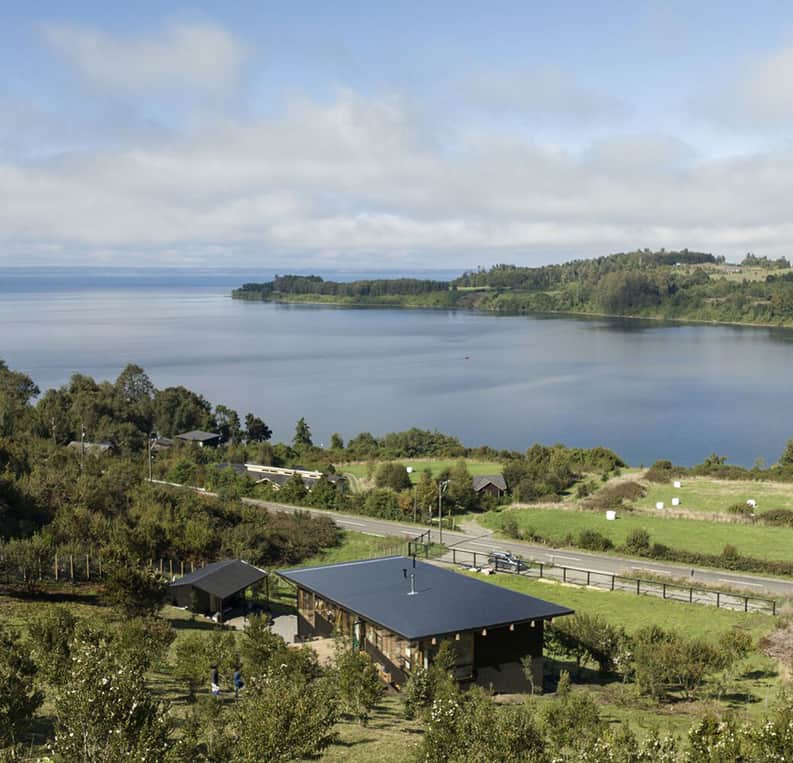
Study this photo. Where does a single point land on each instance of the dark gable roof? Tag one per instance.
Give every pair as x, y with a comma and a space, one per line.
489, 479
446, 602
222, 579
197, 435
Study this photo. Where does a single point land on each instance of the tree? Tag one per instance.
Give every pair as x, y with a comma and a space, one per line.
394, 476
256, 430
282, 718
228, 423
135, 395
358, 685
51, 631
336, 443
786, 459
19, 700
294, 490
259, 646
302, 438
104, 712
135, 591
16, 391
177, 409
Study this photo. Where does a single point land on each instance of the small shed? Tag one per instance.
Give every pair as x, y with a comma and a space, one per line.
218, 587
490, 484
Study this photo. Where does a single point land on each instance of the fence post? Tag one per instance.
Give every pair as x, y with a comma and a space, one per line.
541, 565
56, 566
87, 567
454, 556
612, 582
663, 590
745, 603
718, 599
160, 566
71, 567
773, 607
587, 577
99, 562
690, 595
564, 574
170, 568
182, 568
474, 558
638, 581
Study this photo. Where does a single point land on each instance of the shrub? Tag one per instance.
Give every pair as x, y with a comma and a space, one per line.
778, 517
509, 526
394, 476
662, 471
638, 542
742, 509
591, 540
730, 552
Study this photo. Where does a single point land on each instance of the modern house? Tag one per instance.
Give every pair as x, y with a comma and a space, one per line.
278, 476
200, 438
399, 611
218, 587
490, 484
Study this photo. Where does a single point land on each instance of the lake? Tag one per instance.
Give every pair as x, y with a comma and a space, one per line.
648, 390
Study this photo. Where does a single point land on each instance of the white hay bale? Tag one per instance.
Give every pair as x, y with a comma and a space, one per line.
751, 502
677, 483
675, 502
611, 515
659, 505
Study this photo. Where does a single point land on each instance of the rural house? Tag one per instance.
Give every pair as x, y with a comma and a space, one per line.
218, 587
490, 484
399, 611
202, 439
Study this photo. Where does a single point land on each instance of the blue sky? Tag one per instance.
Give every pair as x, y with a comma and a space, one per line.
409, 135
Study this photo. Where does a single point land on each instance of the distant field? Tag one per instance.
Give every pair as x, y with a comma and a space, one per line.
690, 534
475, 468
702, 494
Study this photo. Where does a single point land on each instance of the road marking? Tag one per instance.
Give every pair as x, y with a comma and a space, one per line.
347, 522
740, 582
569, 558
479, 545
376, 535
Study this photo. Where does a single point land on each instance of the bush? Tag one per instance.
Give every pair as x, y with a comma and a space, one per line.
742, 509
638, 542
778, 517
394, 476
509, 526
591, 540
662, 471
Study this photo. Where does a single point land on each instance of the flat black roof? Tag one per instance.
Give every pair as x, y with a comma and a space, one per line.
445, 602
222, 579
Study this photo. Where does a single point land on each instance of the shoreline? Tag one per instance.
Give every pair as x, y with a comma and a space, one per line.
552, 313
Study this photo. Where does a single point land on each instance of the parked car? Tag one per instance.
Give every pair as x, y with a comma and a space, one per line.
504, 560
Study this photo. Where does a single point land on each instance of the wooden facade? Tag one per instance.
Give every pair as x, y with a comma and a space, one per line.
489, 656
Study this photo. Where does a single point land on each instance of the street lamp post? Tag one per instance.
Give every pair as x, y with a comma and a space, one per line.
409, 470
148, 441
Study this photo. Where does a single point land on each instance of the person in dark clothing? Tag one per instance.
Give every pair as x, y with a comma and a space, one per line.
214, 681
238, 682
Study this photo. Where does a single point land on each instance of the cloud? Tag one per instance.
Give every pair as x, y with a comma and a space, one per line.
360, 179
544, 93
759, 96
196, 55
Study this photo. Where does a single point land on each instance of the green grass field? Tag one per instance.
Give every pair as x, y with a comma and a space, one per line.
475, 468
701, 494
690, 534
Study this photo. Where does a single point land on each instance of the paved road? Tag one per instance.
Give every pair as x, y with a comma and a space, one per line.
483, 542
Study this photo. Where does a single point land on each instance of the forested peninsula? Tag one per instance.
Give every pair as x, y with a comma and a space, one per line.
677, 285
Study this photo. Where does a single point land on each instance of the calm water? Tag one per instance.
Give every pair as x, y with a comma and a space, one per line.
647, 390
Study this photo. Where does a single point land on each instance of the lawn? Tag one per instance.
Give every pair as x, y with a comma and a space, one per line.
701, 494
475, 468
689, 534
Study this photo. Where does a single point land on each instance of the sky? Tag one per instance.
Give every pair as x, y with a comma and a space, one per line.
392, 135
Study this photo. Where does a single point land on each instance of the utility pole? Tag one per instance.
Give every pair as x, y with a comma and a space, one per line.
442, 485
82, 445
148, 442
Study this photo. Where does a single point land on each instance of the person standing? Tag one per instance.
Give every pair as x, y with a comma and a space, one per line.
238, 682
214, 681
